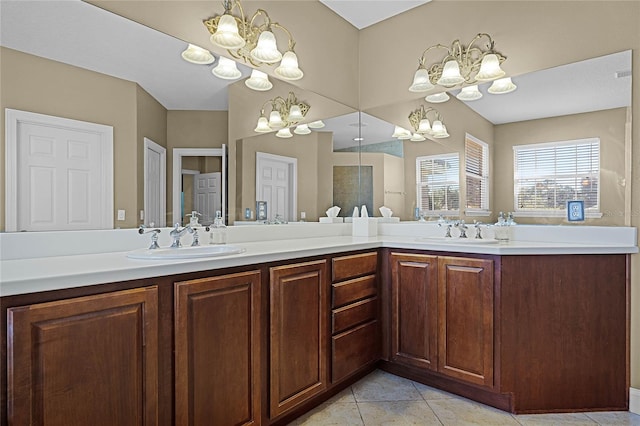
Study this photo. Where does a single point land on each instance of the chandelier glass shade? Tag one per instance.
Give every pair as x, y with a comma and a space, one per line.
461, 65
427, 121
258, 81
285, 113
198, 55
226, 69
252, 39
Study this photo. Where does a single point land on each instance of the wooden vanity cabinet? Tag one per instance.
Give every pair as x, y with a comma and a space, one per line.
355, 335
89, 360
442, 315
217, 350
298, 358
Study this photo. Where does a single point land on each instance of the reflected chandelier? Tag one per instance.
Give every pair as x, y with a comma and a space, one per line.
247, 39
463, 65
285, 113
422, 127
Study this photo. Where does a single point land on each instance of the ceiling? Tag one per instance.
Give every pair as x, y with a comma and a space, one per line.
59, 30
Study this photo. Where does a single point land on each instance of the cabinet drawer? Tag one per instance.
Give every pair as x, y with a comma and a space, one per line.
345, 267
353, 290
354, 314
354, 349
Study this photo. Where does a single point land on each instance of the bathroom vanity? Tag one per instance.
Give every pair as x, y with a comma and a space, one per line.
260, 337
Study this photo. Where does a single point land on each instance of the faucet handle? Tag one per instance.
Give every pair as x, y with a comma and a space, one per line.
154, 236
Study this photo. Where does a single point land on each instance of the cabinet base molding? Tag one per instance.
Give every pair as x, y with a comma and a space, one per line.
634, 400
475, 393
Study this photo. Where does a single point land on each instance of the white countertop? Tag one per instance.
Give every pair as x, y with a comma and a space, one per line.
22, 275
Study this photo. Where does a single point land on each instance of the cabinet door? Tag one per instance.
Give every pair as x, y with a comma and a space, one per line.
298, 334
217, 350
465, 319
85, 361
414, 313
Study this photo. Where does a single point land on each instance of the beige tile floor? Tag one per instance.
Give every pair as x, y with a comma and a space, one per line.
384, 399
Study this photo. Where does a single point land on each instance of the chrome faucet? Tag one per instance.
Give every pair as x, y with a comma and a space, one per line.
177, 233
478, 230
154, 236
463, 228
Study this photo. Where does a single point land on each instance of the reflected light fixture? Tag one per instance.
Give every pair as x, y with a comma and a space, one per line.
285, 112
316, 124
198, 55
302, 129
461, 65
469, 93
422, 126
226, 69
437, 98
502, 86
258, 81
252, 39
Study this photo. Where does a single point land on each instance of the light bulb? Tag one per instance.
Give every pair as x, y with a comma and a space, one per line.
421, 82
451, 74
227, 35
288, 69
266, 49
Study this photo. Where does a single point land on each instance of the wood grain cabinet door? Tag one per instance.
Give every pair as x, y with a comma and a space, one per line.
465, 323
217, 350
299, 314
414, 312
85, 361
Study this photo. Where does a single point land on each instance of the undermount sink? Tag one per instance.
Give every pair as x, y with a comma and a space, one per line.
456, 240
185, 252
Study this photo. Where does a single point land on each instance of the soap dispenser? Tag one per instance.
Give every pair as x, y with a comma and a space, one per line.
218, 233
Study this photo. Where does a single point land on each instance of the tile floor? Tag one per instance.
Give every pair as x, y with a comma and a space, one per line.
384, 399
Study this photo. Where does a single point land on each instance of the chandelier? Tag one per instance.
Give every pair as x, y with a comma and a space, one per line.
285, 113
463, 66
425, 122
252, 39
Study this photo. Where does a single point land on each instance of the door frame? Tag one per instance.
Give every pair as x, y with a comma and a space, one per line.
292, 163
151, 145
13, 118
178, 153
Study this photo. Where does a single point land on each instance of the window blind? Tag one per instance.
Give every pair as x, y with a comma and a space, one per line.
477, 173
438, 183
546, 176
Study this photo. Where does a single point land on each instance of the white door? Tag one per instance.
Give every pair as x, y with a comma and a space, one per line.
63, 178
207, 194
276, 184
155, 184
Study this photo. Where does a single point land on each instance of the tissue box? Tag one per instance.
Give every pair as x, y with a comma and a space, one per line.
331, 219
392, 219
364, 227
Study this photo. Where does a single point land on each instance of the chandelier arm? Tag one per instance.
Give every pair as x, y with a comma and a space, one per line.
436, 46
292, 43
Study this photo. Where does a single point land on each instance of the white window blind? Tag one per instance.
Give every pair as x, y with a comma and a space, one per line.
548, 175
477, 173
438, 183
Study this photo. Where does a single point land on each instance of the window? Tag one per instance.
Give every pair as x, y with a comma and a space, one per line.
438, 184
548, 175
476, 161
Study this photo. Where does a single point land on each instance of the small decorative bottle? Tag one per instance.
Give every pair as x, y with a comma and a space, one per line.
218, 230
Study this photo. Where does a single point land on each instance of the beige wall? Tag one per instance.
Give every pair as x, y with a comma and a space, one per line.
151, 124
607, 125
34, 84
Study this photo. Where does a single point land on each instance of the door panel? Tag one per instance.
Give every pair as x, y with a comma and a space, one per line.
86, 361
298, 334
414, 312
466, 319
208, 196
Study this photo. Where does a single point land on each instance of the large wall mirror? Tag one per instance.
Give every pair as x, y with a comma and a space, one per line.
54, 63
587, 99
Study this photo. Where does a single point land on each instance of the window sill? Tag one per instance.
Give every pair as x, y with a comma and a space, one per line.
554, 213
481, 213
